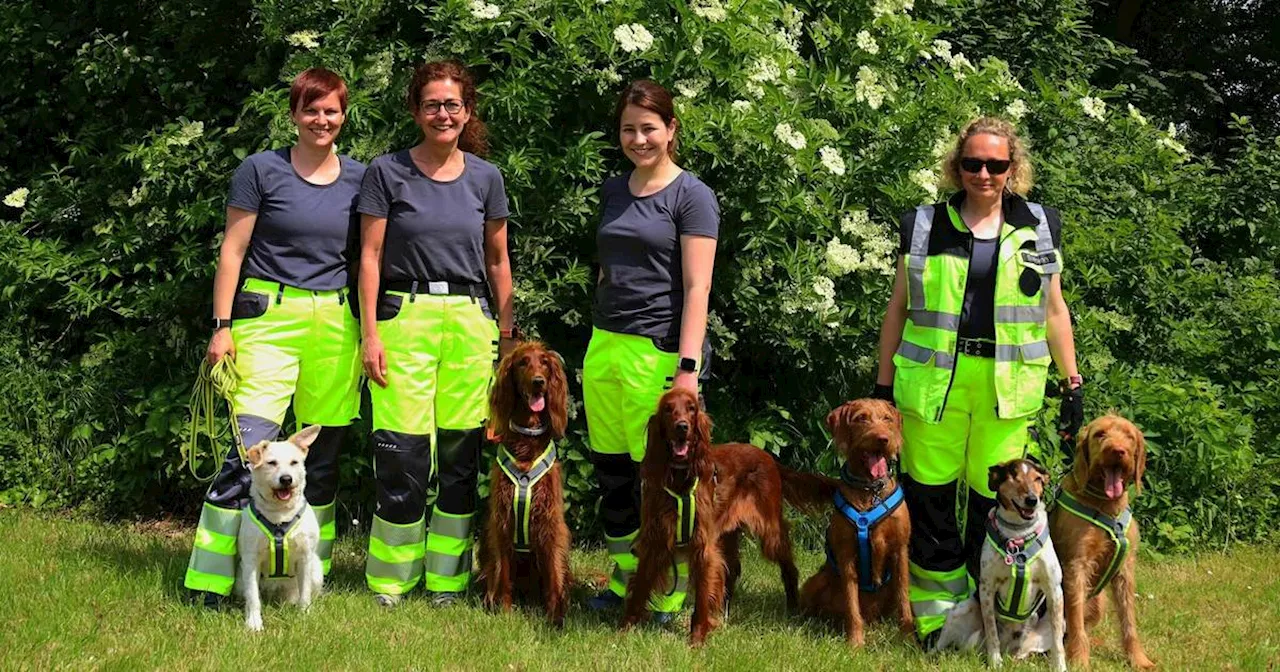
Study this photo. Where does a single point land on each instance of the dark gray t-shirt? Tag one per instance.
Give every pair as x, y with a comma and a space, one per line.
638, 245
435, 230
305, 234
977, 316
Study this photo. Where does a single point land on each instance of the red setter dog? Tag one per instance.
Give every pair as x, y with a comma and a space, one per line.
868, 432
526, 543
738, 487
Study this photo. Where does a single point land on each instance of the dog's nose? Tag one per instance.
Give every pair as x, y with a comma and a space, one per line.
682, 426
882, 439
286, 480
539, 381
1031, 501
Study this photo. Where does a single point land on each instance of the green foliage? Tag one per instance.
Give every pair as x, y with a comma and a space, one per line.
815, 123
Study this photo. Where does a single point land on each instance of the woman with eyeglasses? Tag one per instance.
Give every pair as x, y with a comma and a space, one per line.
434, 272
975, 320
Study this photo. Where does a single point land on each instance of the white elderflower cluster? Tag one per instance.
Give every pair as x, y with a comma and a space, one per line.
831, 159
304, 39
1094, 107
887, 7
879, 248
1167, 140
927, 180
1016, 110
789, 136
690, 88
960, 66
484, 10
941, 49
825, 289
842, 259
1135, 114
188, 132
764, 70
868, 88
867, 43
711, 10
741, 105
632, 37
944, 143
17, 198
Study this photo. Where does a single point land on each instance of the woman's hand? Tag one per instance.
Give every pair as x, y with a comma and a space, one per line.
374, 358
685, 379
220, 345
505, 345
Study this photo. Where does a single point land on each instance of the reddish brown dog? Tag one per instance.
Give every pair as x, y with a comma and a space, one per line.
528, 408
1110, 455
868, 433
739, 487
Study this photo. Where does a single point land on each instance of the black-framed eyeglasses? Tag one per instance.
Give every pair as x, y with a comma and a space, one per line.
994, 166
433, 106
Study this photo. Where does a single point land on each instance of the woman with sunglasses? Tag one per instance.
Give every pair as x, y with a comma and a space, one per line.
975, 319
433, 272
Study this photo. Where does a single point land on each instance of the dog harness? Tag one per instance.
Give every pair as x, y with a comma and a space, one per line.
686, 522
1018, 552
522, 499
865, 522
278, 535
1117, 528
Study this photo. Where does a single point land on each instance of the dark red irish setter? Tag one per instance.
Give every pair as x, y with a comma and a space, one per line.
526, 543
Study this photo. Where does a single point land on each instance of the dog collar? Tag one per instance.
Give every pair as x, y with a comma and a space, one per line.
526, 431
522, 498
874, 486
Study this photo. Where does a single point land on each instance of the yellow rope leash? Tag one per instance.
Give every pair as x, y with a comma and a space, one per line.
214, 382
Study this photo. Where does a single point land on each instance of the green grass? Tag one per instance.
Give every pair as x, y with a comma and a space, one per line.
84, 595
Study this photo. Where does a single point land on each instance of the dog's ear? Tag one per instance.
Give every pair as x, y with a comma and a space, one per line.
1139, 460
996, 475
1045, 478
704, 426
305, 438
654, 448
557, 395
1080, 470
254, 454
502, 396
832, 418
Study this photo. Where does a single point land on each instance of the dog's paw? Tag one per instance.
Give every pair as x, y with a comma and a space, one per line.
253, 623
996, 660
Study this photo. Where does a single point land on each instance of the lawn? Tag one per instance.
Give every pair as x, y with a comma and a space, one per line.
80, 594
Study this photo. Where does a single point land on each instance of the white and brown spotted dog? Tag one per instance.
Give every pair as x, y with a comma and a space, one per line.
1020, 574
279, 533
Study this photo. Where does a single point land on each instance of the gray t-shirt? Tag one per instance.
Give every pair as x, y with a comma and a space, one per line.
638, 245
435, 230
306, 234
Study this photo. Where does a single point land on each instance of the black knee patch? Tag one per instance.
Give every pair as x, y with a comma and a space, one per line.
322, 466
935, 535
975, 531
618, 484
458, 462
402, 467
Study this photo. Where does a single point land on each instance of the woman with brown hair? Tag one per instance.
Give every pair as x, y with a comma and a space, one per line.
975, 320
656, 245
434, 273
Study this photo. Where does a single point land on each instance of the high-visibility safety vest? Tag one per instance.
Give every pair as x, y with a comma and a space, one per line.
938, 249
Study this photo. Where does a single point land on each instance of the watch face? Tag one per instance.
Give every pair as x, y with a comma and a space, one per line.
687, 364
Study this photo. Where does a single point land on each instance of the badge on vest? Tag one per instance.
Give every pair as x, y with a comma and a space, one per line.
1039, 258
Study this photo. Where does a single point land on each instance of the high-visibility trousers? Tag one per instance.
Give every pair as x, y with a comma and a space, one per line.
294, 345
440, 353
623, 376
945, 481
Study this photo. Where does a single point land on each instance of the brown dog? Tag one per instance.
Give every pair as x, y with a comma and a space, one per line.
1110, 455
526, 543
737, 486
868, 433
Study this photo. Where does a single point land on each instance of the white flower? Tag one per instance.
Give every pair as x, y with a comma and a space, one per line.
1094, 107
1016, 110
825, 288
842, 259
868, 89
1135, 114
855, 222
878, 247
755, 90
959, 64
1172, 130
697, 45
711, 10
831, 159
690, 88
867, 43
789, 136
189, 131
764, 70
1167, 141
632, 37
741, 105
886, 7
944, 143
610, 74
305, 39
483, 10
942, 49
17, 198
925, 179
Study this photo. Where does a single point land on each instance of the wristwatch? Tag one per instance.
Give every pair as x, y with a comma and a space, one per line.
219, 323
688, 364
512, 333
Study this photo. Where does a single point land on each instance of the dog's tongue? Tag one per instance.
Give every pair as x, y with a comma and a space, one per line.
680, 449
285, 494
538, 403
877, 466
1114, 483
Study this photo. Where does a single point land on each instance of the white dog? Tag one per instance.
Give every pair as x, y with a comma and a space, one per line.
279, 533
1020, 573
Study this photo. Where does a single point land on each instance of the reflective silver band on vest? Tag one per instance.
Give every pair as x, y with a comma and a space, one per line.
1010, 353
1044, 238
934, 319
1019, 314
915, 353
917, 257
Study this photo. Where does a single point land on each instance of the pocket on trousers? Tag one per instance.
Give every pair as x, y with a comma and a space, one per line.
248, 305
667, 344
388, 307
485, 308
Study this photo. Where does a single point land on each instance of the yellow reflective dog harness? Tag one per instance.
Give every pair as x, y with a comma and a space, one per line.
278, 536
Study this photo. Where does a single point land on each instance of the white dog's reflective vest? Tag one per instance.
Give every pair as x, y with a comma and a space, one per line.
278, 538
1018, 552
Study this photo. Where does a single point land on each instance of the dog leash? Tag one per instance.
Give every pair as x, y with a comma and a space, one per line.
213, 381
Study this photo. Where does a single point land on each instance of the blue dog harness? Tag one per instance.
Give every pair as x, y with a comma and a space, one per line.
864, 522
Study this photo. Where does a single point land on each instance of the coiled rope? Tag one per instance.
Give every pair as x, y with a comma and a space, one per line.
214, 382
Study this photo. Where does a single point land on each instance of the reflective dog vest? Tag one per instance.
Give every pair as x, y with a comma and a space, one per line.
1117, 528
278, 536
864, 522
1018, 552
523, 481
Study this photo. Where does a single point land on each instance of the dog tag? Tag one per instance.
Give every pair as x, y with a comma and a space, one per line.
1008, 560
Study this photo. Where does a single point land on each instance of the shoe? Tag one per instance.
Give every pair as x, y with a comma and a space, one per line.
663, 617
208, 600
605, 599
386, 601
444, 598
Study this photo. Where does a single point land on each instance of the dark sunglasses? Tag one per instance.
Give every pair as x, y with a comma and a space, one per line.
994, 166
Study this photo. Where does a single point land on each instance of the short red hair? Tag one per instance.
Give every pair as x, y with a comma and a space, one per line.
315, 83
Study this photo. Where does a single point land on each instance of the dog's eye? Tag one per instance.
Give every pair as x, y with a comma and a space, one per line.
293, 463
273, 463
1099, 433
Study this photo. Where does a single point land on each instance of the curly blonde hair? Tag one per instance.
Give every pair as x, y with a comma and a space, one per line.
1021, 177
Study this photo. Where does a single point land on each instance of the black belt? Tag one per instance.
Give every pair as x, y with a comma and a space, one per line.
976, 348
437, 288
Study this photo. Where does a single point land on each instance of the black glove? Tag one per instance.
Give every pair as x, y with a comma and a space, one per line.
884, 392
1071, 415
